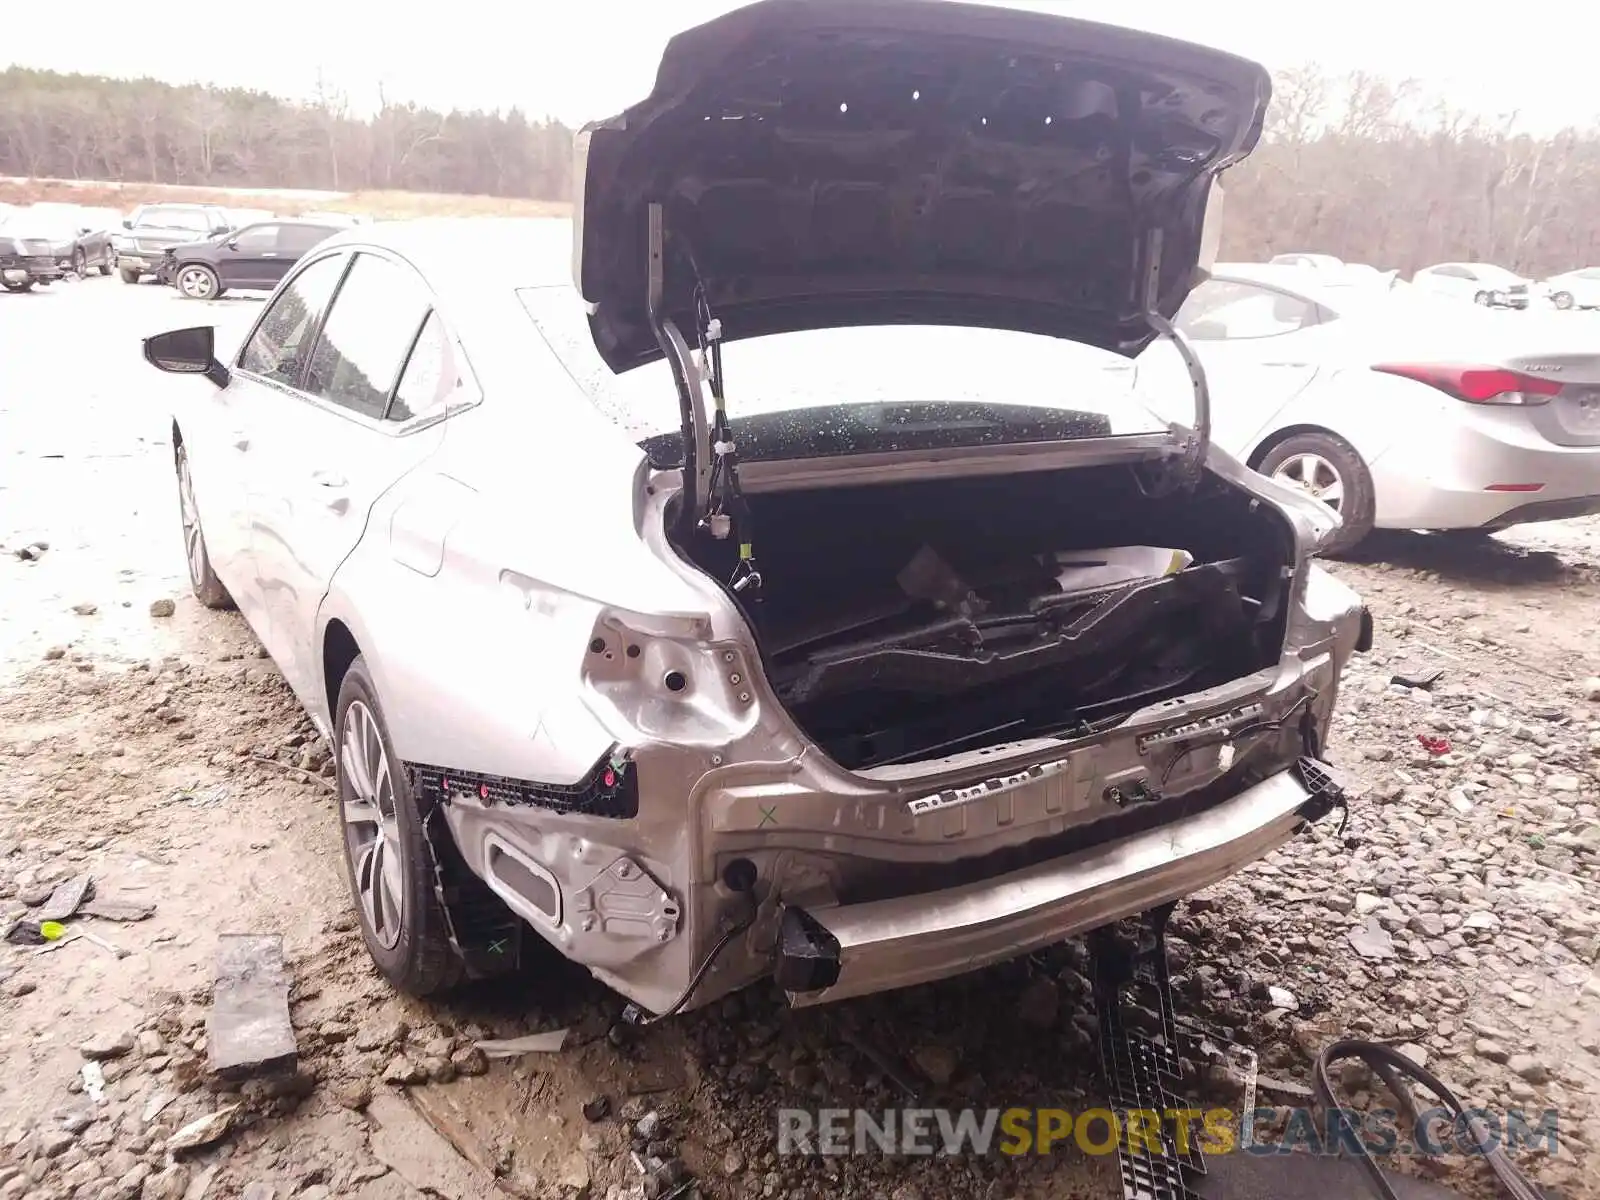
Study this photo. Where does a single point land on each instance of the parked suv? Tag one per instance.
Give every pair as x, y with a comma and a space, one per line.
256, 257
29, 255
154, 228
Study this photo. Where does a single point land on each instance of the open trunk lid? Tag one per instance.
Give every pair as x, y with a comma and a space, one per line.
826, 163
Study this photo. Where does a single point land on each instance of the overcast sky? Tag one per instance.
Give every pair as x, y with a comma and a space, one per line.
589, 58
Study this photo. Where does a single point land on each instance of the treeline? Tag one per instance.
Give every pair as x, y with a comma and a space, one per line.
1361, 167
144, 131
1383, 173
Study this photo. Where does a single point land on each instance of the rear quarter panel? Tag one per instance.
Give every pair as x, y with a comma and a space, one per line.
474, 593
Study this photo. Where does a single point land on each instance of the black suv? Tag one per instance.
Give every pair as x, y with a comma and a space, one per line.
255, 258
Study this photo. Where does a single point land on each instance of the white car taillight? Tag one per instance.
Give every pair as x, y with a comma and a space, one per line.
1478, 385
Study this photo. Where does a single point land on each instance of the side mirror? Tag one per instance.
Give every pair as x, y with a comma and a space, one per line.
126, 223
232, 243
187, 352
83, 230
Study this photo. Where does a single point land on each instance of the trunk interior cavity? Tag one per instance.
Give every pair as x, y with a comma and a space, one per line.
908, 621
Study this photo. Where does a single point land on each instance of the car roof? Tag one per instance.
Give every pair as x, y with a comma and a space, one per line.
1333, 290
461, 257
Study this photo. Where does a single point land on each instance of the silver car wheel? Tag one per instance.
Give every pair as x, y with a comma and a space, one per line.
1315, 476
194, 545
371, 828
196, 283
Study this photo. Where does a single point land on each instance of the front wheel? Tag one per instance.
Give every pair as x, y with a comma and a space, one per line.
80, 263
25, 286
208, 589
1483, 298
386, 852
108, 261
128, 275
1562, 300
199, 282
1328, 469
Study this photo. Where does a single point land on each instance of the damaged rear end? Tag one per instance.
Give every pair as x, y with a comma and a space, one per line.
982, 656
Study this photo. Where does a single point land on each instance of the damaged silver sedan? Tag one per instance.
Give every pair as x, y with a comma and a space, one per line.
751, 577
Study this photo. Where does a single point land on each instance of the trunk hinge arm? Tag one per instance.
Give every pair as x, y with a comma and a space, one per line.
691, 400
1197, 439
712, 498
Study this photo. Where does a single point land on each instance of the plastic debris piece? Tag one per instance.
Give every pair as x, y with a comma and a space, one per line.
94, 1081
156, 1105
1435, 746
1417, 675
67, 899
534, 1043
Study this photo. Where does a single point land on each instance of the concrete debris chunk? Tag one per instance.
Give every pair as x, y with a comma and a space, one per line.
249, 1031
1371, 940
203, 1131
111, 909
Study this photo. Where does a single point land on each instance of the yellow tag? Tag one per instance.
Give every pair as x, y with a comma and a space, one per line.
51, 930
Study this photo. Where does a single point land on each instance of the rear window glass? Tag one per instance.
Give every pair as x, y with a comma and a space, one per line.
868, 389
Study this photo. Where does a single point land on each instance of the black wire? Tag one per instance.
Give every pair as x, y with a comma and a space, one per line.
700, 973
1389, 1062
1246, 731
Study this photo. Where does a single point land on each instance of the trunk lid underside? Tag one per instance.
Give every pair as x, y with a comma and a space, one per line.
824, 163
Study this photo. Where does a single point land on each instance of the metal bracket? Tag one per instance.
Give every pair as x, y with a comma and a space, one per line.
625, 902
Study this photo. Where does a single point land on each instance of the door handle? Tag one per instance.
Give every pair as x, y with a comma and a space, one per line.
328, 479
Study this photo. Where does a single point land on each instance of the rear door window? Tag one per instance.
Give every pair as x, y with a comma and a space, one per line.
297, 239
1226, 310
280, 343
431, 375
258, 239
367, 336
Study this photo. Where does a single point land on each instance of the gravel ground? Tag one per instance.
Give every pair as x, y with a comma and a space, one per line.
146, 742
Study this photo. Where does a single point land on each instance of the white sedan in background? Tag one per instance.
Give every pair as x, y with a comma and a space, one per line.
1574, 289
1392, 408
1482, 283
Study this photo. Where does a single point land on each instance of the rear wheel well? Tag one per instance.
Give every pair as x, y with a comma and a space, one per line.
1277, 438
339, 650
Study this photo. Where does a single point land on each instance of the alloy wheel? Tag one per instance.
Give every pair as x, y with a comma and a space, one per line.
1315, 476
371, 827
194, 546
196, 283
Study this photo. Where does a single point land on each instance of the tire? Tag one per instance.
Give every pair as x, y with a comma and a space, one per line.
1562, 300
196, 281
208, 589
108, 261
1483, 298
80, 263
25, 286
382, 833
127, 275
1292, 461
